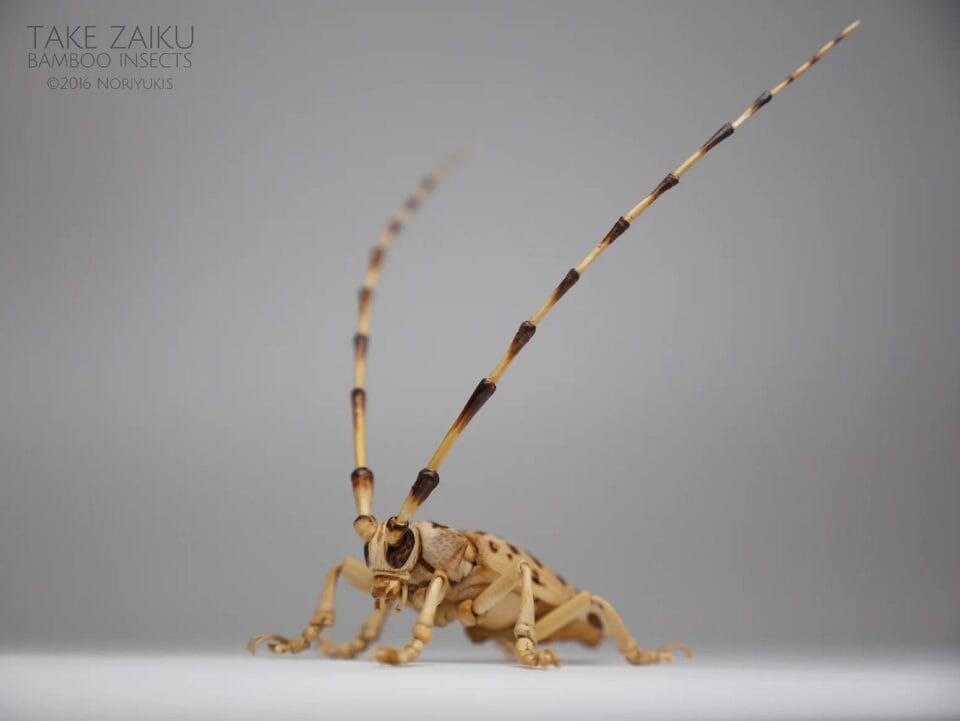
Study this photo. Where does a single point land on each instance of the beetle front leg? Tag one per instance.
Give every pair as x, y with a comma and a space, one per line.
356, 573
422, 630
369, 632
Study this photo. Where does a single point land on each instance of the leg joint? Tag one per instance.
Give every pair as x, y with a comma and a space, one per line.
423, 632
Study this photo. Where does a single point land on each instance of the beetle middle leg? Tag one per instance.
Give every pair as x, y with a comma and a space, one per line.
359, 577
524, 646
525, 629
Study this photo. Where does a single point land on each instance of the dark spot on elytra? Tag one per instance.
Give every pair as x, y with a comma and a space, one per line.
561, 579
493, 546
535, 560
514, 548
594, 620
536, 578
438, 525
509, 556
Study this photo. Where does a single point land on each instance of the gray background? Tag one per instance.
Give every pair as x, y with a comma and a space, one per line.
741, 427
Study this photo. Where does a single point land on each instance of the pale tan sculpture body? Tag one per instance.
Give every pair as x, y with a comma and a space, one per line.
495, 589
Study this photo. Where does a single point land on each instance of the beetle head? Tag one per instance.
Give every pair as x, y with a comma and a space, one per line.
391, 550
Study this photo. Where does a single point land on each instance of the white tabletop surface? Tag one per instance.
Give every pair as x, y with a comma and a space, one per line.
107, 686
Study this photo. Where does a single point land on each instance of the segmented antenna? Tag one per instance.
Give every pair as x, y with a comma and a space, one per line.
362, 477
428, 478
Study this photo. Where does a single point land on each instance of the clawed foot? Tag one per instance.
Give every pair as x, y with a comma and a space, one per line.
544, 658
662, 654
396, 656
529, 655
281, 644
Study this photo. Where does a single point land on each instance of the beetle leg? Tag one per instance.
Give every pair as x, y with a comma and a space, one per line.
356, 573
369, 632
491, 595
422, 630
471, 612
525, 631
551, 622
631, 650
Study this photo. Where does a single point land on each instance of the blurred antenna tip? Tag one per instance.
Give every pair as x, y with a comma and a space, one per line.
462, 152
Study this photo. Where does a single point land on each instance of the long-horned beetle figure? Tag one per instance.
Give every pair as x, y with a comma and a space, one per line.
495, 589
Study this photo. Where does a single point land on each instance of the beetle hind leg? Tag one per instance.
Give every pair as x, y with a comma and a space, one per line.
631, 650
598, 617
661, 654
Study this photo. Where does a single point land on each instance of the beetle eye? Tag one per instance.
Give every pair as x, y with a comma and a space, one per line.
366, 553
397, 555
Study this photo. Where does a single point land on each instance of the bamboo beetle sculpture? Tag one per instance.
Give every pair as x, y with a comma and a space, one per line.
496, 590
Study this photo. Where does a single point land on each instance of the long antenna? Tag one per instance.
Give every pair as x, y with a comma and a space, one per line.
428, 478
362, 477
